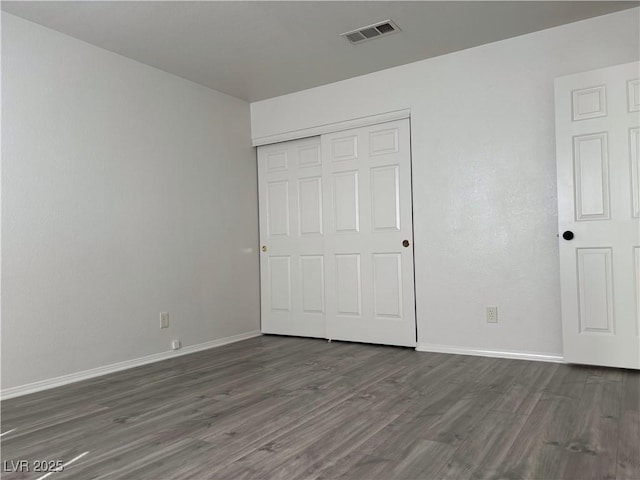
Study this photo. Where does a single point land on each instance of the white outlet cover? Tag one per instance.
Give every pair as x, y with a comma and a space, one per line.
492, 314
175, 344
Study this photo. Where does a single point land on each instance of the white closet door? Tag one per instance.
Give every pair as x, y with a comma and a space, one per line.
368, 212
598, 155
291, 235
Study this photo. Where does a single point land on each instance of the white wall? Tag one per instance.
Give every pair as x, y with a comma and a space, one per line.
484, 177
126, 191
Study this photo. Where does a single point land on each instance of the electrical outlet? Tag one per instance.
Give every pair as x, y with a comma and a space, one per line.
164, 319
175, 344
492, 314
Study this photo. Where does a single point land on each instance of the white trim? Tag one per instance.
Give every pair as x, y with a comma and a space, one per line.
332, 127
540, 357
116, 367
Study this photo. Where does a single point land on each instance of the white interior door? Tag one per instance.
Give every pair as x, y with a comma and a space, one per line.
291, 235
368, 211
598, 150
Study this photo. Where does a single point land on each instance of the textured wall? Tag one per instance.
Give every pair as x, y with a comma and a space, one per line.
126, 191
484, 175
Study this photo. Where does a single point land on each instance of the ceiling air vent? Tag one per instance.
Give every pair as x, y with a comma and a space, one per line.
371, 31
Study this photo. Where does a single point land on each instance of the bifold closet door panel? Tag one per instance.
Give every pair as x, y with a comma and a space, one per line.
292, 261
368, 242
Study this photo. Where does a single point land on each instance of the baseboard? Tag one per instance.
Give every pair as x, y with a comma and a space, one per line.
540, 357
116, 367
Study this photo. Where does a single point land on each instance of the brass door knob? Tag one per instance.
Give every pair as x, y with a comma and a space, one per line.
264, 248
405, 243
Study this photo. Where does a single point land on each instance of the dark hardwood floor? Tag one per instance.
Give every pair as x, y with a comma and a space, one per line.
292, 408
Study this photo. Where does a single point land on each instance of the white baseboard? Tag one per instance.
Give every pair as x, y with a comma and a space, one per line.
540, 357
116, 367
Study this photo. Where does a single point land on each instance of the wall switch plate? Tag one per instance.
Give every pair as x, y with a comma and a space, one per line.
164, 319
175, 344
492, 314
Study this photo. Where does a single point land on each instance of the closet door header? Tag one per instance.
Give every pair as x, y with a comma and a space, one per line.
332, 127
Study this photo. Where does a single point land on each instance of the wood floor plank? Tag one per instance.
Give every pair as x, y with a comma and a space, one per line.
628, 459
145, 457
541, 448
399, 437
527, 388
594, 443
409, 459
283, 407
328, 436
481, 454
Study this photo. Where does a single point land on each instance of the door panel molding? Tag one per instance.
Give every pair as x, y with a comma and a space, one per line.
280, 277
634, 159
591, 167
348, 284
595, 290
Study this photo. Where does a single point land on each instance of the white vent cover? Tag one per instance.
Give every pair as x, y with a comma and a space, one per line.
371, 31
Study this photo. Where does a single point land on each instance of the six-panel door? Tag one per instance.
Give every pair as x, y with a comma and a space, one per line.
291, 235
597, 133
370, 295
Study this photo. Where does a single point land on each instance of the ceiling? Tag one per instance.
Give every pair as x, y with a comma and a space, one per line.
258, 50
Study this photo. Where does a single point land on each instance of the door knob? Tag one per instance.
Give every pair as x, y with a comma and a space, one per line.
568, 235
405, 243
264, 248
